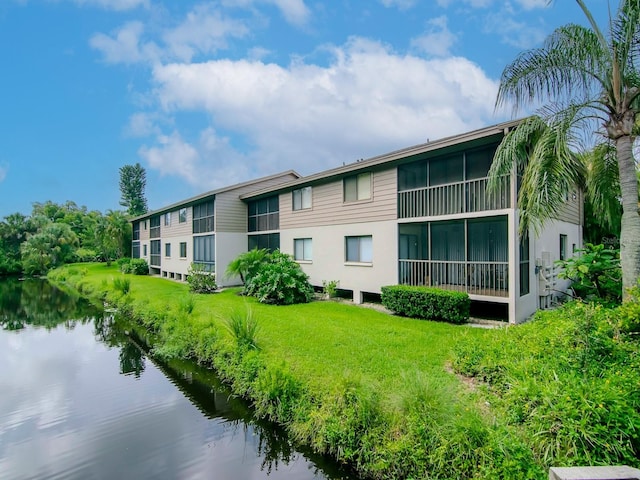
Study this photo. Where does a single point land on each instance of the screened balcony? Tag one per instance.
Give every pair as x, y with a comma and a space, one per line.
476, 278
451, 184
465, 255
459, 197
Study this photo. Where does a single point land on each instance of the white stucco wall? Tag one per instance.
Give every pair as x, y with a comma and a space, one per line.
328, 260
228, 246
175, 264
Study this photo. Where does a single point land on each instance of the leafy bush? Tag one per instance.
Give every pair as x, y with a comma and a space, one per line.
85, 255
124, 264
246, 265
139, 266
330, 288
201, 281
280, 281
595, 273
426, 302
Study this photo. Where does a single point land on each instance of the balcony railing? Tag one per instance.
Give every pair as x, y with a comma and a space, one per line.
451, 198
477, 278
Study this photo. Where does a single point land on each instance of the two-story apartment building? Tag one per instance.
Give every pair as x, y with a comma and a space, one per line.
420, 216
209, 229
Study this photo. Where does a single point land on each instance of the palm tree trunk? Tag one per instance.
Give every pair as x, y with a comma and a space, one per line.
630, 231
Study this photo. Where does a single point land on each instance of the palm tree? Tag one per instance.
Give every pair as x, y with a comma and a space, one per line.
589, 86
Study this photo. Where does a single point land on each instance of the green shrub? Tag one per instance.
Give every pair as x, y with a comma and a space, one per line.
247, 264
629, 313
595, 273
85, 255
243, 327
428, 303
139, 266
122, 284
201, 281
567, 381
330, 288
187, 304
124, 264
280, 281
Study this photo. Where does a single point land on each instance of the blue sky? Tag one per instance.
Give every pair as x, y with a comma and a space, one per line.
205, 94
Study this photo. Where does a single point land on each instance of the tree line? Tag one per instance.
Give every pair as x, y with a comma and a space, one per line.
54, 234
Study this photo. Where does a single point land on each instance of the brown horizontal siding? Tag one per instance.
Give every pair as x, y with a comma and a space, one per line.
328, 207
571, 212
176, 228
231, 212
144, 232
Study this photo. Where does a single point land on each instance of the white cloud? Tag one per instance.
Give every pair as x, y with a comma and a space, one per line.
204, 30
533, 4
438, 39
208, 163
294, 11
4, 170
401, 4
366, 102
125, 45
115, 4
173, 156
519, 34
142, 125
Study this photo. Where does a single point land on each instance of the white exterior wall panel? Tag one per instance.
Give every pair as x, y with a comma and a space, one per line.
328, 261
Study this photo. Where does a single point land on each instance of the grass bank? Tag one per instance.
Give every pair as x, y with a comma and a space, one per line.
375, 391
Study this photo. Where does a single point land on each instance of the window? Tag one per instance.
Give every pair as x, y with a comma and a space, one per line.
302, 249
302, 198
524, 265
203, 217
270, 241
264, 214
144, 250
155, 227
183, 249
182, 215
167, 219
357, 187
204, 252
154, 258
135, 250
145, 224
563, 247
136, 231
359, 249
167, 249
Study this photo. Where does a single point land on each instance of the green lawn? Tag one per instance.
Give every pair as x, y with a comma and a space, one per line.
320, 340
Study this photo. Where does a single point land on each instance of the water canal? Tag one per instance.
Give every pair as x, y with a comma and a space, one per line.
79, 399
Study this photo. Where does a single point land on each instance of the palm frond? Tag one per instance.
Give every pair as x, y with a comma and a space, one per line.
515, 148
569, 64
603, 185
552, 170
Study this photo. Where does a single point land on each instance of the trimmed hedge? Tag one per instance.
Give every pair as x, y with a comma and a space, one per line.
427, 302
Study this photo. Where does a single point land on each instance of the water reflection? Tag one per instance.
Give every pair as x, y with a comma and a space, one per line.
73, 407
38, 303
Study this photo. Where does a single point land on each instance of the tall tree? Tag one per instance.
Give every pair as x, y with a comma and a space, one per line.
589, 86
133, 180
